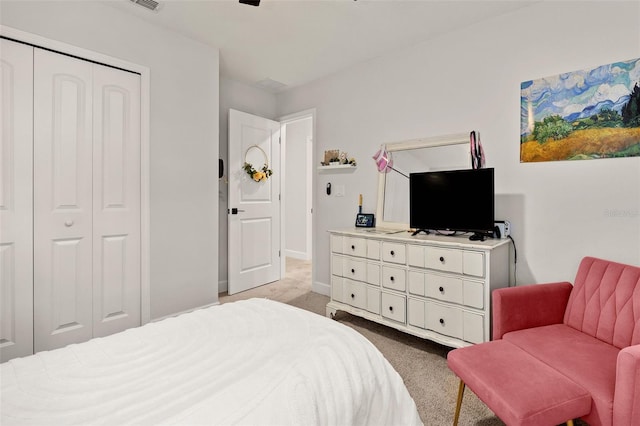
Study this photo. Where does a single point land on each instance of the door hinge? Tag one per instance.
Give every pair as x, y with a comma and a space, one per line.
279, 253
279, 197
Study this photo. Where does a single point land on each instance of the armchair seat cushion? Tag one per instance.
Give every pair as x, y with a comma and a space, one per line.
520, 389
584, 359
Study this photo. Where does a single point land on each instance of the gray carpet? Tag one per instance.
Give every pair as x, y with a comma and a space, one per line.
421, 363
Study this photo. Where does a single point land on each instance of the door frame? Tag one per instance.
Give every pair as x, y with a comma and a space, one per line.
70, 50
284, 120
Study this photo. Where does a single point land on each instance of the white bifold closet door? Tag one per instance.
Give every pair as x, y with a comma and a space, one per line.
86, 182
16, 195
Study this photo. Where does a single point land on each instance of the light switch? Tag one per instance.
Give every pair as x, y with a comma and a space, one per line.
339, 190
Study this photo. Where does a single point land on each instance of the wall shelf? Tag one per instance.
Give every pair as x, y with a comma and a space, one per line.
341, 168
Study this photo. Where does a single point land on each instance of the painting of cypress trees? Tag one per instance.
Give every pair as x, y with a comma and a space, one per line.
587, 114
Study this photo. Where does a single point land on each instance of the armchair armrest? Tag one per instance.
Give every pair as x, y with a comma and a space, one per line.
517, 308
626, 399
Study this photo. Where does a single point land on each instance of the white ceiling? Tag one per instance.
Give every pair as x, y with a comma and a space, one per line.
297, 41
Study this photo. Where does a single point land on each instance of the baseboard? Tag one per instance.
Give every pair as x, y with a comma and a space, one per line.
185, 311
321, 288
223, 286
301, 255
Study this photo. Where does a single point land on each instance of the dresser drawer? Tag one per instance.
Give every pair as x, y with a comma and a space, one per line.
473, 294
473, 263
337, 289
354, 269
444, 288
473, 328
373, 273
373, 249
393, 307
337, 265
394, 278
444, 259
355, 294
394, 253
355, 246
373, 300
444, 319
416, 312
415, 256
416, 283
337, 242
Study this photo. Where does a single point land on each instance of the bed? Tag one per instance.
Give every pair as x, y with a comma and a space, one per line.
249, 362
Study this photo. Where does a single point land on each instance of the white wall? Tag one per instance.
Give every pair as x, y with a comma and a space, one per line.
298, 134
470, 79
183, 137
247, 99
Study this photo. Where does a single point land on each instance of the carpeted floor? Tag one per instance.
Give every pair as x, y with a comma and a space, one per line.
421, 363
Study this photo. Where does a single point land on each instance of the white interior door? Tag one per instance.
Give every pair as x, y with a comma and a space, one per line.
116, 200
254, 207
16, 194
63, 160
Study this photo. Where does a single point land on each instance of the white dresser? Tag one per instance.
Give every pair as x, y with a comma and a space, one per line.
435, 287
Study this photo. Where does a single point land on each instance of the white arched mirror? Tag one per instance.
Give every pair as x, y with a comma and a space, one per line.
449, 152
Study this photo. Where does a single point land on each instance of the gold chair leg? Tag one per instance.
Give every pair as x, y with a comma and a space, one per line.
570, 422
459, 403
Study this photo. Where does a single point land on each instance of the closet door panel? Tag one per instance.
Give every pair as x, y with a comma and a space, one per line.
16, 194
116, 201
63, 156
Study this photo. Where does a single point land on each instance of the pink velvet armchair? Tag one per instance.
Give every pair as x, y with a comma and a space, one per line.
588, 334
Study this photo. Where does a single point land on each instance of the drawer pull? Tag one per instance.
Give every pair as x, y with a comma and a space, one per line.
353, 296
442, 259
391, 308
353, 247
441, 289
353, 271
393, 253
442, 321
392, 279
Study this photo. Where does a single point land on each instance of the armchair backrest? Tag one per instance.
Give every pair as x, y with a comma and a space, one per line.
605, 302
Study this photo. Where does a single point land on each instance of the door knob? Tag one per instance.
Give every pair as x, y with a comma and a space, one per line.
235, 210
68, 223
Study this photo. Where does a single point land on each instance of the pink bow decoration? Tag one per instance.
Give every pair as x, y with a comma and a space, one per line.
383, 160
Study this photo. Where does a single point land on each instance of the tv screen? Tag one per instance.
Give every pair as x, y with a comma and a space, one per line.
452, 200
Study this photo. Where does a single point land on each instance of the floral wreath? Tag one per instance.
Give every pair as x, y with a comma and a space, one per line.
261, 174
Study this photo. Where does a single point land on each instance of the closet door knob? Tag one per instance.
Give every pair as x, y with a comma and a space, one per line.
68, 223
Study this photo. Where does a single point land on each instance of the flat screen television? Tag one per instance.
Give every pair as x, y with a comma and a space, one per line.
453, 200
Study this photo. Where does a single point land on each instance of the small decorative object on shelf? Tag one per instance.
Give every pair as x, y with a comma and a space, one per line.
259, 175
335, 157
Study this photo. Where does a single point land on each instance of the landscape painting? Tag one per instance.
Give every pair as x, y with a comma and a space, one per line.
588, 114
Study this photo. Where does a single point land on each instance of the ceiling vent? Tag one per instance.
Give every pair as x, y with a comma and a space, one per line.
270, 85
149, 4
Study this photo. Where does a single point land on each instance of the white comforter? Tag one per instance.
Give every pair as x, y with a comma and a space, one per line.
250, 362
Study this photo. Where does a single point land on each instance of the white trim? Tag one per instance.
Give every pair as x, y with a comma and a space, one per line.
223, 286
287, 119
321, 288
454, 139
145, 89
295, 254
186, 311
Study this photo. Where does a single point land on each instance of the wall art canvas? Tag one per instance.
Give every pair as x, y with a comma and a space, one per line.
580, 115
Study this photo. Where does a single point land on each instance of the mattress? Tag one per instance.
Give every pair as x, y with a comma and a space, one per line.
254, 362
